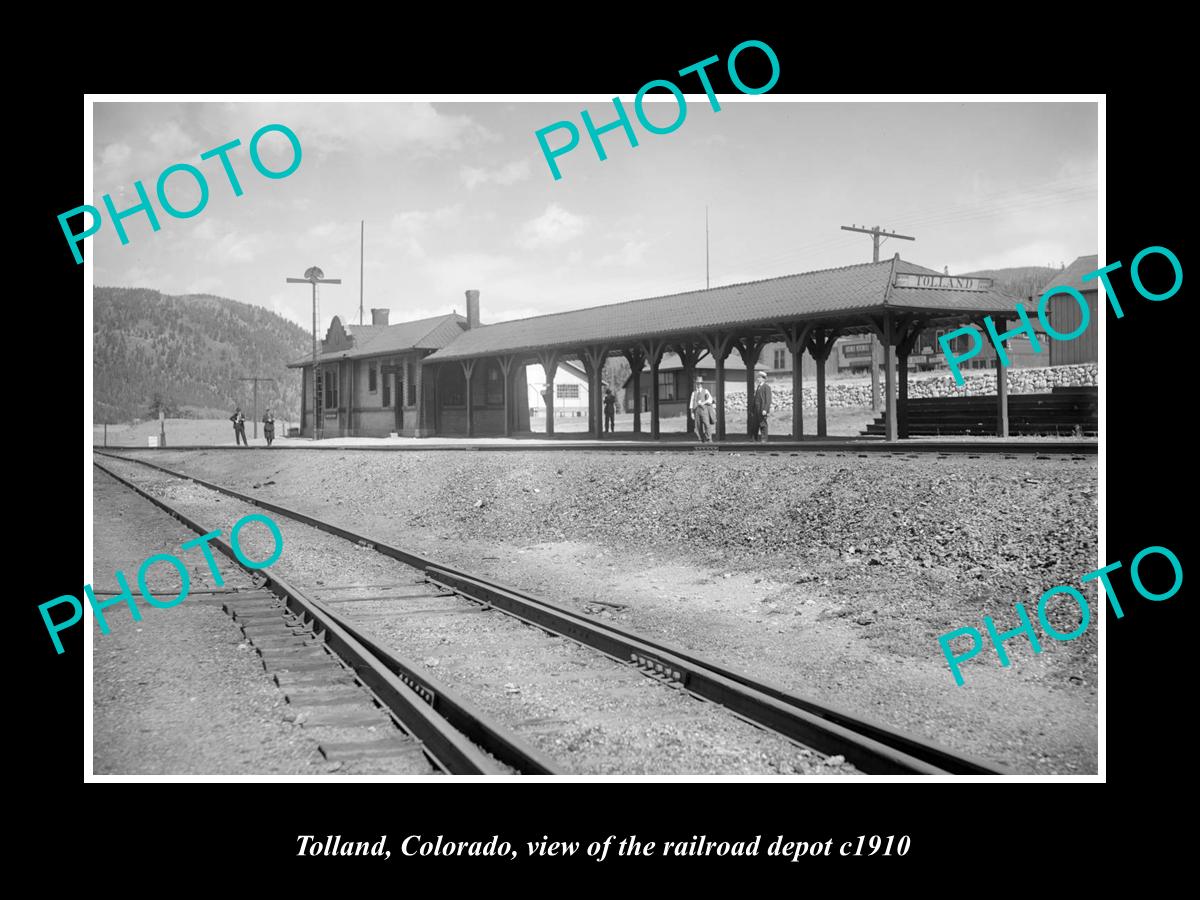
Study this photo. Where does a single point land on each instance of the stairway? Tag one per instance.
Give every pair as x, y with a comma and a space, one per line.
1060, 412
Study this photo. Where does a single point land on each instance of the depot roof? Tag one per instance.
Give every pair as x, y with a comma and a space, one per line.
1071, 276
838, 297
384, 340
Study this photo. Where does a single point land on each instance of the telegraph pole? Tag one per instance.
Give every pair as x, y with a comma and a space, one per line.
876, 234
314, 276
362, 232
706, 281
256, 379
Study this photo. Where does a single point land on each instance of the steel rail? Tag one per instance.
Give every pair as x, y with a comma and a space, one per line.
448, 727
873, 747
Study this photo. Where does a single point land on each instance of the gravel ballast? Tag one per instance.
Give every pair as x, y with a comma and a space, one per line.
830, 575
589, 713
180, 692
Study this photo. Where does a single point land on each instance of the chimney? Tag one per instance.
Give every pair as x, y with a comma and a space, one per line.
379, 316
472, 309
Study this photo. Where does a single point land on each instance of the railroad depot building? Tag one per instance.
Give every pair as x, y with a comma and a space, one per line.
454, 376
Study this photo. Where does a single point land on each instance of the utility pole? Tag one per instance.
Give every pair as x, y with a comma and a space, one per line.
256, 379
876, 234
706, 281
362, 233
314, 276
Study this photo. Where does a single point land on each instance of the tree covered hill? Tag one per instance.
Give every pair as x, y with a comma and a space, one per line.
187, 353
1023, 281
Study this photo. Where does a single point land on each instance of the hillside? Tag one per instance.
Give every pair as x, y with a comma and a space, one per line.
1024, 281
189, 351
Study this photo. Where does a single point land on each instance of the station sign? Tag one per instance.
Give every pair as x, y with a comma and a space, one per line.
942, 282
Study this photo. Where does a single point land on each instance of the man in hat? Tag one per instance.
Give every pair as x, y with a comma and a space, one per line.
269, 426
702, 405
239, 428
760, 407
610, 409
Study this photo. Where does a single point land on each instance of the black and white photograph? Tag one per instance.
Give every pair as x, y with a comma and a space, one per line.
685, 434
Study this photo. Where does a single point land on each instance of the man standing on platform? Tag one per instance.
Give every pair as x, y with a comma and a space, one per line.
760, 409
701, 405
239, 428
610, 410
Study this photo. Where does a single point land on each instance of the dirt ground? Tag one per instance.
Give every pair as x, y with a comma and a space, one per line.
830, 575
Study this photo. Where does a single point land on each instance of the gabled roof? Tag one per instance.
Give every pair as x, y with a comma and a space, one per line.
843, 294
383, 340
1071, 275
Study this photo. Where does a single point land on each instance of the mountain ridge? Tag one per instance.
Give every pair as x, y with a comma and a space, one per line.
186, 353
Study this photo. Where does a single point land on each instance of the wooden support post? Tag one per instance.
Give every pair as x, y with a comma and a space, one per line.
654, 397
889, 377
420, 423
506, 365
636, 359
468, 367
593, 358
1001, 396
910, 333
749, 349
719, 346
795, 336
720, 364
820, 343
689, 354
654, 353
549, 361
821, 418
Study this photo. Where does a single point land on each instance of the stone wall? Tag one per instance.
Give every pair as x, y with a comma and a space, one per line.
927, 384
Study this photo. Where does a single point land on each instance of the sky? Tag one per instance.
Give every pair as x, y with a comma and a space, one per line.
459, 196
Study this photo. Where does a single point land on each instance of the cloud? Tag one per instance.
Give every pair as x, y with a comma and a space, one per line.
375, 129
283, 305
115, 154
509, 174
169, 140
553, 227
630, 254
235, 247
207, 230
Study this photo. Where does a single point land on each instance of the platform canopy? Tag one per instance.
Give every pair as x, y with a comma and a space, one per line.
849, 299
894, 300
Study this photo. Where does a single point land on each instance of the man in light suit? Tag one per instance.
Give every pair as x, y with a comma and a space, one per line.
760, 408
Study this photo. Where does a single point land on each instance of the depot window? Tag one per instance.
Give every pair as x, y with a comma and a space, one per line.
331, 387
567, 391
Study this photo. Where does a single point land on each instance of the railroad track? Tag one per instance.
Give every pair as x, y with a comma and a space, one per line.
1070, 448
365, 632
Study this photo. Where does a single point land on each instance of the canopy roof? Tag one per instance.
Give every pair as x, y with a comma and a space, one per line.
842, 297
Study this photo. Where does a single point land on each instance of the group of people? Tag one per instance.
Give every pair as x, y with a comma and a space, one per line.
239, 427
703, 408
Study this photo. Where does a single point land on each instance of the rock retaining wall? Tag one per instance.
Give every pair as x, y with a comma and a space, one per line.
980, 383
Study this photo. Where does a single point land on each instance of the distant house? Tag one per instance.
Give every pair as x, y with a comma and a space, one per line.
570, 390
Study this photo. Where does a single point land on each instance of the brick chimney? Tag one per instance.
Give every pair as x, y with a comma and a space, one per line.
379, 316
472, 309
